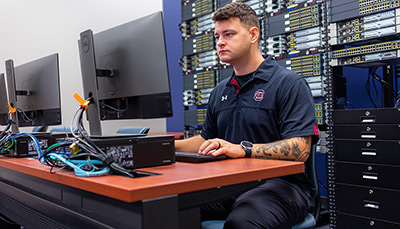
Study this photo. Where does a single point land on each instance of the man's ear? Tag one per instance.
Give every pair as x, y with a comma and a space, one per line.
254, 34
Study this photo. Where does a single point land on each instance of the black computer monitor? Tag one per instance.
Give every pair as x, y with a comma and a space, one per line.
3, 101
34, 90
125, 72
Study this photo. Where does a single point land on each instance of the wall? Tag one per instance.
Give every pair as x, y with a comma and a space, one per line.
173, 37
34, 29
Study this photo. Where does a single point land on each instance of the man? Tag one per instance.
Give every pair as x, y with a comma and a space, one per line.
263, 111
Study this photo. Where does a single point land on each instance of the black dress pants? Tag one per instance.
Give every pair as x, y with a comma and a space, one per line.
273, 204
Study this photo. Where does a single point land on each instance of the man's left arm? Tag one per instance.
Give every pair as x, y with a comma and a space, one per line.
292, 149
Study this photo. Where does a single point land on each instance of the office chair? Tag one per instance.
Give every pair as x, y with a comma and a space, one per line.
133, 130
311, 218
61, 129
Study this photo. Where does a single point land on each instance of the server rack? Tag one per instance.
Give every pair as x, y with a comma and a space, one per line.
362, 143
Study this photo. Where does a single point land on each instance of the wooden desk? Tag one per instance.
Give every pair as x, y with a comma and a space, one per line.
177, 135
169, 200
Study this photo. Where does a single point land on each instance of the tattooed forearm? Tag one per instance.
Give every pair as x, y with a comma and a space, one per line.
297, 149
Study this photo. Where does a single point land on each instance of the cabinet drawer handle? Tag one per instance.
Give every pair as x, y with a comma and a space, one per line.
368, 153
368, 136
369, 177
374, 206
368, 120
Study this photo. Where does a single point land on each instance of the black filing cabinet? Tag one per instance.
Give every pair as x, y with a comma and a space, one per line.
367, 168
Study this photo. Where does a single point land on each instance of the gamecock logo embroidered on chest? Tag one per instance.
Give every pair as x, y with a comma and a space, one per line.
259, 95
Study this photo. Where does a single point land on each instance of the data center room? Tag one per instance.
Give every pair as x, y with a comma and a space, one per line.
347, 51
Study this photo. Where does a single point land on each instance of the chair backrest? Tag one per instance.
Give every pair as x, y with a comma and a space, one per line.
312, 170
133, 130
312, 175
311, 218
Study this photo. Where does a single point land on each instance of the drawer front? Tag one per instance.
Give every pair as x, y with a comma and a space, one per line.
367, 131
384, 176
381, 115
344, 221
368, 202
369, 151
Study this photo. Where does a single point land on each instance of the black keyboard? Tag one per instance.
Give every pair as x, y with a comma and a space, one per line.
196, 158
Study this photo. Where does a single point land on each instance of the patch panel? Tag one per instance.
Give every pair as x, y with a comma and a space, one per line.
366, 2
195, 8
199, 80
194, 117
365, 58
362, 28
383, 46
201, 8
306, 17
339, 53
294, 13
378, 6
304, 72
305, 58
201, 42
294, 20
305, 24
353, 51
299, 17
368, 48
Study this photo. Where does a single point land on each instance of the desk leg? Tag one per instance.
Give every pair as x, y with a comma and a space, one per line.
164, 213
160, 213
190, 218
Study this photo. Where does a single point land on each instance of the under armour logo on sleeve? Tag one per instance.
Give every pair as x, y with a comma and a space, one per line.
223, 98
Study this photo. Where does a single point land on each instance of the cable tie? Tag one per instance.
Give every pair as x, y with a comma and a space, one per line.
84, 103
11, 109
107, 161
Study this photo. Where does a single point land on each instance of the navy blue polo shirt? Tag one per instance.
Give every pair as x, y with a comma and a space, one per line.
274, 104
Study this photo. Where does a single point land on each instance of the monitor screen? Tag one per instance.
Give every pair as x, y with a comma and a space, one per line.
3, 101
36, 88
125, 71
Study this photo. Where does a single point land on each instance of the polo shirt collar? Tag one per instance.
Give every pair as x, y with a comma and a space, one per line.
263, 72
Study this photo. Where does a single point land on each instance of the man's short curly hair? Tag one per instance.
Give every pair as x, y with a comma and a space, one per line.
239, 10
